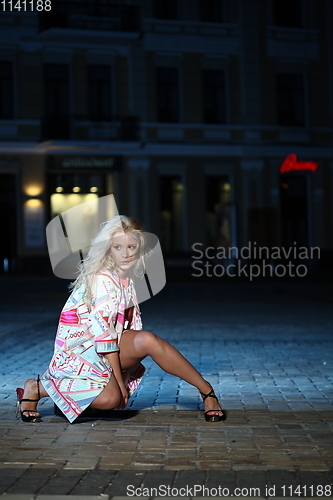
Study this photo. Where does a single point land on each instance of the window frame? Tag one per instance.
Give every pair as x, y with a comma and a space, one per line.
178, 95
109, 83
279, 111
9, 79
223, 86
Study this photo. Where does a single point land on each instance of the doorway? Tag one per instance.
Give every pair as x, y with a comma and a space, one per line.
8, 223
294, 209
171, 213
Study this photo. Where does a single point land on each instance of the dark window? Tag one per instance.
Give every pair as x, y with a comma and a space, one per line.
56, 90
56, 122
288, 13
99, 92
167, 95
165, 9
214, 96
6, 90
211, 11
290, 99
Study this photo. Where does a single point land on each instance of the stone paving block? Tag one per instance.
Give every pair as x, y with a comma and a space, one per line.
31, 481
314, 478
188, 478
71, 497
81, 464
278, 478
251, 479
4, 496
62, 482
123, 479
94, 482
156, 478
227, 479
8, 478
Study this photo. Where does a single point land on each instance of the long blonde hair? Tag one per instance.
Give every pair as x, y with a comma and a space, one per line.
99, 254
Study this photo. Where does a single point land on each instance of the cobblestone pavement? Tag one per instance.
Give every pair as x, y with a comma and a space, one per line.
266, 348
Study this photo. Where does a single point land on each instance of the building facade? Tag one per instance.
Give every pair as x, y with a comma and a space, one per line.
185, 110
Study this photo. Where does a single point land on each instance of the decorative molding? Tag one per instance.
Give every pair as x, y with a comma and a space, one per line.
218, 168
293, 49
217, 134
191, 44
101, 56
252, 165
8, 130
57, 55
9, 165
252, 135
171, 133
294, 137
138, 163
171, 168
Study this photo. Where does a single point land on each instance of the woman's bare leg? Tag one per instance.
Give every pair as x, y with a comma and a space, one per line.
31, 392
109, 398
136, 345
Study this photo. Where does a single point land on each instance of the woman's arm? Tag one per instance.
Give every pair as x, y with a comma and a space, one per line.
113, 359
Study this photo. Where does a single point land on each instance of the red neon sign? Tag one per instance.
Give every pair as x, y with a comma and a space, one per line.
291, 162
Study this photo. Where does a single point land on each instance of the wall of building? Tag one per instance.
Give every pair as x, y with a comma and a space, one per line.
246, 147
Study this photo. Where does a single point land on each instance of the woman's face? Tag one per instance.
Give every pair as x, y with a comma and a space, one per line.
124, 251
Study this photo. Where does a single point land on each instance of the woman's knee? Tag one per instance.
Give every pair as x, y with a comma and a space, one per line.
107, 401
146, 341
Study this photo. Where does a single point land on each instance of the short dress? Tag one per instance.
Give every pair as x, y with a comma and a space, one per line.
78, 370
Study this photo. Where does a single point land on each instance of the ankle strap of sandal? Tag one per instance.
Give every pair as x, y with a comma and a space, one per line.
211, 394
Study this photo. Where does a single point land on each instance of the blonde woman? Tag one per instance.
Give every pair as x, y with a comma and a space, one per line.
100, 342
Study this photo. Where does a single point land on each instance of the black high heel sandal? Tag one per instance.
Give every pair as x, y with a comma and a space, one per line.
213, 418
20, 399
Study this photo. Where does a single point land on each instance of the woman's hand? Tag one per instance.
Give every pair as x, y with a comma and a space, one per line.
113, 359
124, 393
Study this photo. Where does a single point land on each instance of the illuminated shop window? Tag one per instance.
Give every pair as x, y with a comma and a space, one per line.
69, 190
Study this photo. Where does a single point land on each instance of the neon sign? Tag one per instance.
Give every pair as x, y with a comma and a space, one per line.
291, 162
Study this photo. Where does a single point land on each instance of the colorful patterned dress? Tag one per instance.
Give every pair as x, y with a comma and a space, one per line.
78, 370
